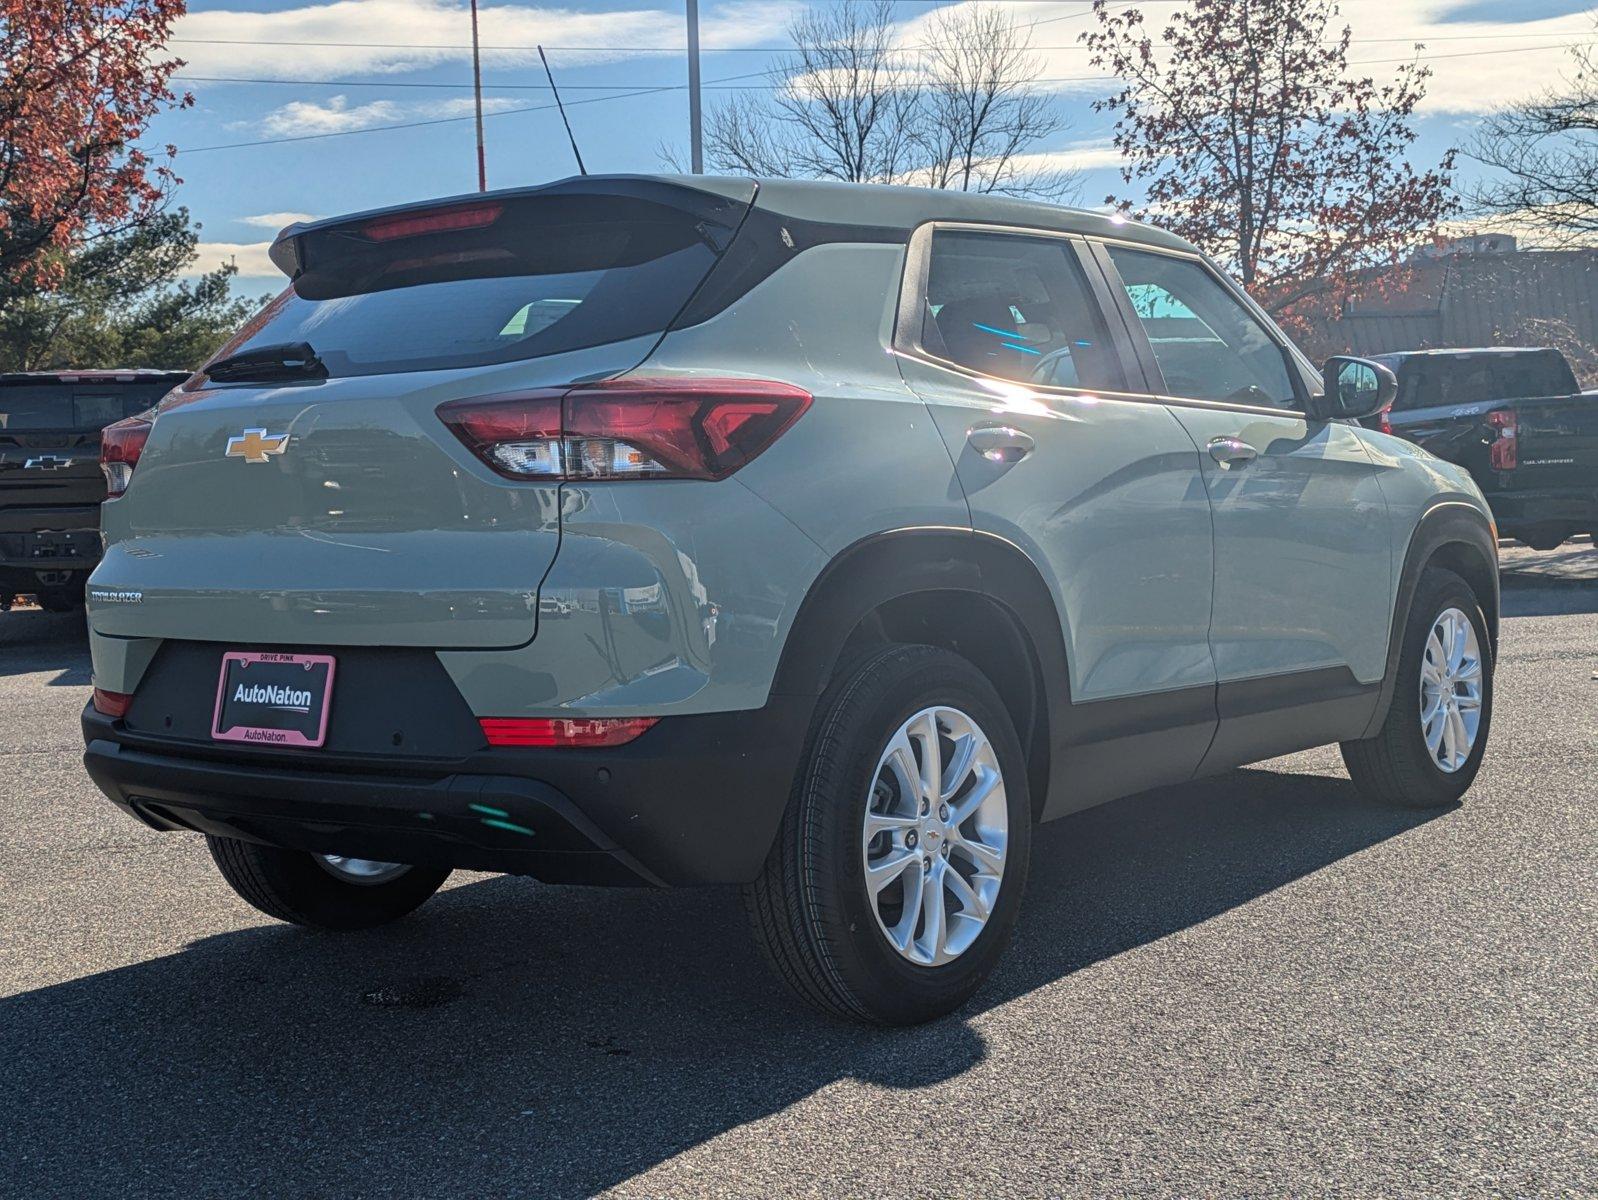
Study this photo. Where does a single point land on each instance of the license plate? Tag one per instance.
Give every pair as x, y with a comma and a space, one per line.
273, 699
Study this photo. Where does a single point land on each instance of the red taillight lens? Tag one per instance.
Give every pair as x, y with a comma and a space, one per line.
442, 220
563, 731
1384, 421
120, 447
628, 429
111, 704
1502, 451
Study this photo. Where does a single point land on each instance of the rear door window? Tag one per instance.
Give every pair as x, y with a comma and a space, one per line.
527, 277
1208, 345
1018, 308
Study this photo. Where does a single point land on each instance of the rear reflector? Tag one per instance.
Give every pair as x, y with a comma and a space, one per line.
1502, 450
628, 428
111, 704
563, 731
120, 447
441, 220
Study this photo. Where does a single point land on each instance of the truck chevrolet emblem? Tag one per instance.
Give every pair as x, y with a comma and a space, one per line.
46, 462
253, 445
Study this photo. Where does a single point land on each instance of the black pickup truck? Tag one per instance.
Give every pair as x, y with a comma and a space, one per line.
50, 481
1517, 420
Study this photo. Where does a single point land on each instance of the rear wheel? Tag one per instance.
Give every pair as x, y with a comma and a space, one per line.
1430, 746
322, 891
898, 871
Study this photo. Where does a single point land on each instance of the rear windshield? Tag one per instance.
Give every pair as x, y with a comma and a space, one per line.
544, 275
1431, 382
82, 407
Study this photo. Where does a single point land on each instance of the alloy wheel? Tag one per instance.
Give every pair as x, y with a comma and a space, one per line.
934, 836
1451, 690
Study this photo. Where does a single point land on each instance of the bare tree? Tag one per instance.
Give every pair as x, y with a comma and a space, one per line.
1545, 155
953, 110
978, 112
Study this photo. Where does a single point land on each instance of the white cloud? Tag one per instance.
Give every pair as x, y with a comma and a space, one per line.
1082, 156
1463, 81
423, 33
250, 257
335, 116
301, 118
275, 220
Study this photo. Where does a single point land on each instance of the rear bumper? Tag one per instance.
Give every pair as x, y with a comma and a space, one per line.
49, 539
695, 800
1573, 506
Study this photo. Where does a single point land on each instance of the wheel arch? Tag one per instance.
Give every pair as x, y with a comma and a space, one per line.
975, 594
1459, 537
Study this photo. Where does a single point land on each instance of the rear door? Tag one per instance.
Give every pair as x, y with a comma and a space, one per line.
1028, 382
1303, 576
333, 506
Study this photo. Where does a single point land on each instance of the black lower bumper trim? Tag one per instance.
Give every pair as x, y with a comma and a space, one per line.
473, 822
695, 800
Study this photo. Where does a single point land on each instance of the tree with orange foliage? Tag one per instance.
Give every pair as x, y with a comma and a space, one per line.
79, 82
1254, 140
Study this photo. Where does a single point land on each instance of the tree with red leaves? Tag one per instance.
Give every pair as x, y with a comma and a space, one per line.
1254, 141
79, 82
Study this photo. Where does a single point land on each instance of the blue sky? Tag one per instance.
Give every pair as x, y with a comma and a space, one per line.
358, 64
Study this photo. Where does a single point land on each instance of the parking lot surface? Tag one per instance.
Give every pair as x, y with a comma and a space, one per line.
1258, 983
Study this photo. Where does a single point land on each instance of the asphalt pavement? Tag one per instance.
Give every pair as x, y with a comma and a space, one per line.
1257, 984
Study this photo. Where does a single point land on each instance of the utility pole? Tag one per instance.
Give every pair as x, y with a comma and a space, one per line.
477, 89
696, 149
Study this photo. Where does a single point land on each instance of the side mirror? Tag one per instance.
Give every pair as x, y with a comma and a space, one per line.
1354, 388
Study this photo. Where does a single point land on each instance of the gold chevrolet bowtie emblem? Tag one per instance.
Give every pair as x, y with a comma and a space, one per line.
253, 445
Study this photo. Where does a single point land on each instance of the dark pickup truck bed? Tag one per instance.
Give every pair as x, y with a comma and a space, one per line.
1517, 420
50, 481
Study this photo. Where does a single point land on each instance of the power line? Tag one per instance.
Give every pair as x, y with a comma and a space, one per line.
726, 83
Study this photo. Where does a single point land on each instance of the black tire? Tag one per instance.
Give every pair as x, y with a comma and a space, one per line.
810, 909
1394, 765
292, 886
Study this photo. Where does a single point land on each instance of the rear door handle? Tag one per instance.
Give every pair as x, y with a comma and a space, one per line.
1000, 443
1232, 452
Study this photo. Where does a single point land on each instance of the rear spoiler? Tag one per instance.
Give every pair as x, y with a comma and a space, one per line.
289, 250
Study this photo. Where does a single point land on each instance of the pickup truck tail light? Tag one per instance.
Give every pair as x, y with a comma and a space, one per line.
120, 447
111, 704
1501, 451
627, 428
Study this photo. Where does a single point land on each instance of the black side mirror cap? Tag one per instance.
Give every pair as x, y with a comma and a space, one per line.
1353, 388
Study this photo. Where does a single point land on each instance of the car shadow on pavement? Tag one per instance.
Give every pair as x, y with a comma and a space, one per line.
32, 641
514, 1038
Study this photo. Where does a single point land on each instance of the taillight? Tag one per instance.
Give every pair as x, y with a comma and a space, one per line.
563, 731
628, 428
120, 447
1501, 451
1384, 421
111, 704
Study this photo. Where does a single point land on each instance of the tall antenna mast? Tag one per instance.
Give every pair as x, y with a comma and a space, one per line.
477, 89
549, 75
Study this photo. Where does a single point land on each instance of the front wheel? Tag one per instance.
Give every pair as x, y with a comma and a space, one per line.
1429, 748
897, 874
322, 891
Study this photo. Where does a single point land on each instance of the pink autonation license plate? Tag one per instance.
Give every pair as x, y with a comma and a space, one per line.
272, 699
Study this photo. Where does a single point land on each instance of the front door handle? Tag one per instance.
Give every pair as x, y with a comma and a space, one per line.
1232, 452
1000, 443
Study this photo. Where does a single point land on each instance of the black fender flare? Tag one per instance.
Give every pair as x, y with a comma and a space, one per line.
1461, 535
886, 566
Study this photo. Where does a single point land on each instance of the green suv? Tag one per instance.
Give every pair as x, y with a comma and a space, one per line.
815, 538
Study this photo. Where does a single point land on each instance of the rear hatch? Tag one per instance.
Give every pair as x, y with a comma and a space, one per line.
50, 481
1558, 443
352, 515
